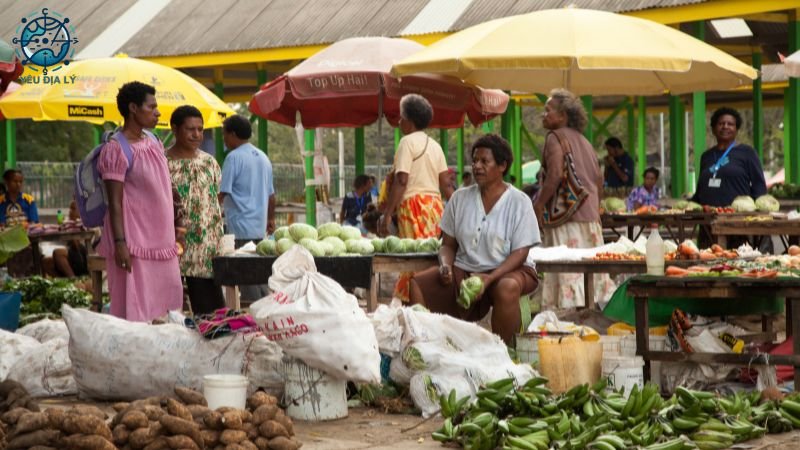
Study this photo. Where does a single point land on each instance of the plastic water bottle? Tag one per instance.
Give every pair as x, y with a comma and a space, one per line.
59, 217
655, 253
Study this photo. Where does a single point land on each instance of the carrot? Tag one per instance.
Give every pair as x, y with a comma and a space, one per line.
698, 269
673, 271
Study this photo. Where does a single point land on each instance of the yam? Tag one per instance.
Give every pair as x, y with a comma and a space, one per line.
42, 447
182, 441
235, 447
262, 443
120, 406
135, 420
198, 411
89, 425
88, 442
12, 416
251, 429
31, 422
247, 445
271, 429
179, 426
88, 410
232, 420
284, 443
140, 438
28, 440
232, 436
9, 385
159, 443
153, 412
178, 409
264, 413
261, 398
210, 437
286, 421
56, 417
120, 434
213, 420
190, 396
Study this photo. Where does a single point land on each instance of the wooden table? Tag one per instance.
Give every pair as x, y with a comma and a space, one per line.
62, 236
715, 289
722, 227
97, 265
675, 224
385, 263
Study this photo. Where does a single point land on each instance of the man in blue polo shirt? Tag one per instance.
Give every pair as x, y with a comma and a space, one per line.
619, 165
247, 190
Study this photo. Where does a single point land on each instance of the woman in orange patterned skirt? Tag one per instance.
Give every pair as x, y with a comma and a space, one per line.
419, 178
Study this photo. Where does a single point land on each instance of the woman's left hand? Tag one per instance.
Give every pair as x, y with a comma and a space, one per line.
486, 280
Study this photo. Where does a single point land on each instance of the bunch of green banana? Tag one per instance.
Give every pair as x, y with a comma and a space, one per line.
688, 398
608, 441
450, 407
712, 440
532, 441
680, 443
790, 410
768, 416
645, 433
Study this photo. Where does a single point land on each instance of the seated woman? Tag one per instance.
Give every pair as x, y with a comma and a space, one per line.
487, 230
68, 260
647, 194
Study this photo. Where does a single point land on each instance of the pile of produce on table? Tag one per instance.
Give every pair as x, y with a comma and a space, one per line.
156, 423
764, 267
333, 239
785, 190
687, 250
42, 297
530, 417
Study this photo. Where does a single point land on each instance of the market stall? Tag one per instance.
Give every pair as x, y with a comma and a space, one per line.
680, 225
749, 225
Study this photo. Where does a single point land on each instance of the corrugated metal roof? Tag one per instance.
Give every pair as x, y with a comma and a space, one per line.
90, 17
436, 17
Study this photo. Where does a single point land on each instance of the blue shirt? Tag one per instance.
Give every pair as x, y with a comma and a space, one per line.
355, 206
247, 183
742, 174
625, 163
20, 210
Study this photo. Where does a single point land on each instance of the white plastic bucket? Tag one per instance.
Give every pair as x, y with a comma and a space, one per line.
312, 394
527, 347
612, 345
628, 344
225, 390
623, 371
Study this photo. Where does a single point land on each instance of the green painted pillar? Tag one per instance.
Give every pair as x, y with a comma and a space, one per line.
758, 110
505, 121
360, 151
487, 127
787, 134
218, 143
791, 154
698, 108
516, 133
397, 136
11, 144
443, 142
631, 147
677, 149
2, 146
311, 196
641, 138
97, 134
263, 131
460, 154
588, 104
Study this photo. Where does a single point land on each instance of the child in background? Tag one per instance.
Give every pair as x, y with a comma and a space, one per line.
16, 207
355, 203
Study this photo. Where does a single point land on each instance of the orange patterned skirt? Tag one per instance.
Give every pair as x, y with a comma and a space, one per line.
418, 217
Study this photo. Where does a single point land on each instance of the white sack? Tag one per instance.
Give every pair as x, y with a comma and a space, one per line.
12, 347
116, 359
46, 371
45, 330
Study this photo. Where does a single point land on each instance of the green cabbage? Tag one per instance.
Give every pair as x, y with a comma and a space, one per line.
409, 245
430, 245
337, 245
614, 204
393, 244
327, 247
767, 203
743, 203
360, 246
378, 244
281, 232
680, 204
299, 231
329, 229
312, 246
284, 245
692, 206
468, 291
267, 247
349, 232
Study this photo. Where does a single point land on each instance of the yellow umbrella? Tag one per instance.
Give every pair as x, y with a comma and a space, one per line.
585, 51
87, 91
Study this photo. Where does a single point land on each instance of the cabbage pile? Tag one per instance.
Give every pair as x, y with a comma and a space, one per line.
613, 204
743, 203
767, 203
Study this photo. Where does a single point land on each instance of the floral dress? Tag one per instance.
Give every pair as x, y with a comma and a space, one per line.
197, 181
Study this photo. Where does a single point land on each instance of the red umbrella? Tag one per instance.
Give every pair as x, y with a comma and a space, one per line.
348, 85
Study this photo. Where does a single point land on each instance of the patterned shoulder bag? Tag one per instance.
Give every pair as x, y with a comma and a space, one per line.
569, 195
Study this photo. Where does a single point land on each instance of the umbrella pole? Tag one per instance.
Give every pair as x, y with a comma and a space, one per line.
311, 197
11, 144
758, 110
677, 152
360, 151
263, 130
460, 155
641, 140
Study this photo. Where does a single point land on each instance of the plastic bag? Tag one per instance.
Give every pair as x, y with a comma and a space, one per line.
315, 320
387, 329
290, 267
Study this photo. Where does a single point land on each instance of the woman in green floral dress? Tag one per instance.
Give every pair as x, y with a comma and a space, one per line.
196, 175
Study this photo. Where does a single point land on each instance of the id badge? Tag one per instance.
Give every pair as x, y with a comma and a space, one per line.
714, 182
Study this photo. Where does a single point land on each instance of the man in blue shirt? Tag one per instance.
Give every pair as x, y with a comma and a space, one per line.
619, 165
247, 191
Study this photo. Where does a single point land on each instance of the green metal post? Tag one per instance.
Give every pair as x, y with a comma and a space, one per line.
758, 109
360, 151
311, 196
263, 130
786, 132
791, 154
698, 108
488, 126
677, 150
588, 104
11, 144
443, 142
2, 146
397, 136
218, 143
516, 133
631, 116
505, 121
641, 138
97, 134
460, 154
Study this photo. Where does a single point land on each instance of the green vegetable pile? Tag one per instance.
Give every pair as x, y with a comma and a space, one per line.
530, 417
42, 297
785, 190
468, 291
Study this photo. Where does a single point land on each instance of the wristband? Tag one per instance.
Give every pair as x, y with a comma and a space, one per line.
118, 240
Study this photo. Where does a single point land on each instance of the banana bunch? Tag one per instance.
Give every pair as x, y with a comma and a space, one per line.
768, 416
450, 407
790, 410
680, 443
608, 441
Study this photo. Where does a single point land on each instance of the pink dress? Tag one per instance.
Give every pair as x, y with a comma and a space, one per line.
153, 286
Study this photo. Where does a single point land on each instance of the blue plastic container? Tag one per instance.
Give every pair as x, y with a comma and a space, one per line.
9, 310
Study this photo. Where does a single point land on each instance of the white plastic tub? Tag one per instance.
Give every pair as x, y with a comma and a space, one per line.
623, 371
527, 347
312, 394
225, 390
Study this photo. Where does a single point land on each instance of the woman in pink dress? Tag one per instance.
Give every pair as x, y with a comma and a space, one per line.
138, 241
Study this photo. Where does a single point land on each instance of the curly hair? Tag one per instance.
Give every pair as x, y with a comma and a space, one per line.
133, 92
416, 109
570, 105
501, 150
726, 111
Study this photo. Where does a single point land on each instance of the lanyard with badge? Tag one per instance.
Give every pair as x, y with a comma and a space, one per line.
360, 208
715, 182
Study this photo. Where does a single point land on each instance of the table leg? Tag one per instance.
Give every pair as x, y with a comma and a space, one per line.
643, 334
795, 320
372, 292
766, 323
232, 298
97, 289
722, 241
588, 290
630, 232
37, 258
789, 314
